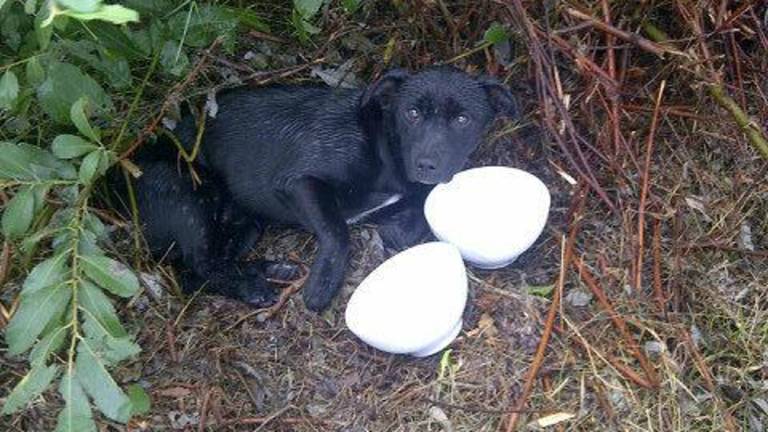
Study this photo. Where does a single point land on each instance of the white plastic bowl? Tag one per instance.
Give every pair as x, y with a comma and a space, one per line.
491, 214
413, 302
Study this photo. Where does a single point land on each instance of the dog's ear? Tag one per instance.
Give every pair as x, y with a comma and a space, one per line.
500, 97
384, 88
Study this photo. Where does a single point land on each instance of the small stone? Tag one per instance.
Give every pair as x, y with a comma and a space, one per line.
578, 298
654, 348
154, 285
316, 410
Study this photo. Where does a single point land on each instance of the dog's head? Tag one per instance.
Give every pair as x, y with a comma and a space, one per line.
439, 116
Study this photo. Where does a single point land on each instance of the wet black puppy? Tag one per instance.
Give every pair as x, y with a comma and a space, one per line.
320, 158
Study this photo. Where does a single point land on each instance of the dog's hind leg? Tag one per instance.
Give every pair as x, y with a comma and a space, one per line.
176, 215
238, 231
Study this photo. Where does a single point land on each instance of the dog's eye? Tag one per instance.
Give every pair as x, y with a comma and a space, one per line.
413, 114
461, 120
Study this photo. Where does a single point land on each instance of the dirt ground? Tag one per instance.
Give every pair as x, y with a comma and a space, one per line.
686, 349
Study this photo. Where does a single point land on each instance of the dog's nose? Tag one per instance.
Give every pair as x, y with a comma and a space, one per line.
426, 165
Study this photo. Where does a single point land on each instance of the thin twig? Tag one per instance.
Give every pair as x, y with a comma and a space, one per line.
658, 290
565, 258
644, 190
616, 319
633, 38
550, 93
5, 261
171, 98
264, 314
709, 382
204, 410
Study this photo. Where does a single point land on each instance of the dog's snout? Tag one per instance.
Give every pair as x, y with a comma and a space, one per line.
426, 165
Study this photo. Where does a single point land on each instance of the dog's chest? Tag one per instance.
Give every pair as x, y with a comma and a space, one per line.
374, 204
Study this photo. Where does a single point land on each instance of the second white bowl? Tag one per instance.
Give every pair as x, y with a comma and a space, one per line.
491, 214
413, 302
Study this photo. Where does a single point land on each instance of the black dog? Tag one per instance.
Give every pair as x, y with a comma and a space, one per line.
317, 157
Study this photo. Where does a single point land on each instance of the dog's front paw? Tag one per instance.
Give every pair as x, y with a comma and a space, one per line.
317, 297
320, 289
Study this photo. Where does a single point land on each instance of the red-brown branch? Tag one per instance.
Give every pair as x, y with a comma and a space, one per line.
632, 38
658, 290
644, 190
616, 319
541, 349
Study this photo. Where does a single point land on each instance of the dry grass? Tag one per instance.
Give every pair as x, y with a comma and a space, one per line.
699, 313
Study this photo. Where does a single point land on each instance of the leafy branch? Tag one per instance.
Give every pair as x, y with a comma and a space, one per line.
62, 296
65, 321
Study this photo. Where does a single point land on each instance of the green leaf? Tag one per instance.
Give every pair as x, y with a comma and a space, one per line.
40, 191
33, 383
51, 343
94, 165
79, 117
66, 84
26, 162
88, 244
139, 399
111, 275
30, 6
350, 5
29, 242
93, 301
152, 7
80, 5
303, 27
307, 8
115, 14
496, 33
16, 160
114, 39
171, 63
18, 214
94, 225
48, 273
205, 24
76, 415
540, 290
43, 32
34, 71
35, 312
112, 66
9, 89
112, 349
71, 146
98, 383
248, 18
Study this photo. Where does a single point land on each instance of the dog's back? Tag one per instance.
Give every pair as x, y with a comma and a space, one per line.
261, 140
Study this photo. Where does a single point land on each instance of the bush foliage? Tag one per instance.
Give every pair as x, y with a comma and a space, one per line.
66, 64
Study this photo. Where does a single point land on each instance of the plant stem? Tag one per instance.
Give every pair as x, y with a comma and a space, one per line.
750, 129
135, 102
